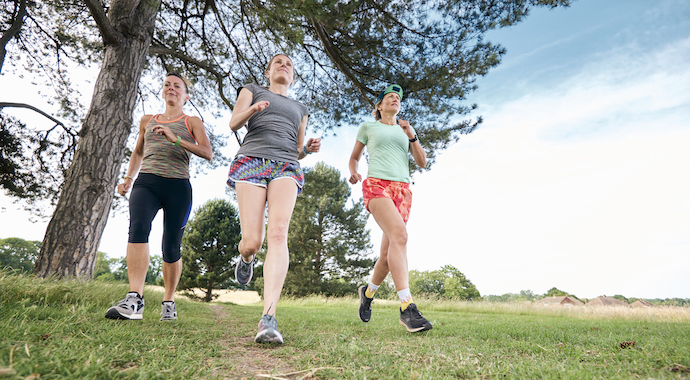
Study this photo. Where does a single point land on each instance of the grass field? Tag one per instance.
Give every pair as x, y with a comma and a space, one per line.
56, 329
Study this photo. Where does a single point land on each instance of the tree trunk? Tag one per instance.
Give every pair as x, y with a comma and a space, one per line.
73, 235
209, 293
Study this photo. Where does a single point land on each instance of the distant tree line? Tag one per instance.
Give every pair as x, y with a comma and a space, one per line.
524, 295
528, 295
210, 247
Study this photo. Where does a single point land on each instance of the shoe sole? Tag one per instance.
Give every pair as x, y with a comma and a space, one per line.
114, 314
237, 277
361, 299
423, 328
269, 336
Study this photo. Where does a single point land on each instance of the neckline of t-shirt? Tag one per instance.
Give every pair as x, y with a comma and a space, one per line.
387, 125
168, 121
281, 95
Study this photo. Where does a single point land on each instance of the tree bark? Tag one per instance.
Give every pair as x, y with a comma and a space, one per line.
73, 235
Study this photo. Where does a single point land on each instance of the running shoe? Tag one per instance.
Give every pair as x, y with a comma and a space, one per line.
244, 271
131, 307
268, 330
364, 304
413, 321
168, 311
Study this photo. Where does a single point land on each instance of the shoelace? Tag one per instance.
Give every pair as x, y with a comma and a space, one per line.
125, 301
415, 312
270, 320
245, 267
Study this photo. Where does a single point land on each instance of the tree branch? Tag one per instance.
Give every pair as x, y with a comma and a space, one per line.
108, 32
24, 105
12, 31
333, 54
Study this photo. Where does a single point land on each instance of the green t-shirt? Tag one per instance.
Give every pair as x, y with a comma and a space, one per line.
388, 146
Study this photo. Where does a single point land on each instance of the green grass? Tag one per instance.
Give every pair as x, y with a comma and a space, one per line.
56, 329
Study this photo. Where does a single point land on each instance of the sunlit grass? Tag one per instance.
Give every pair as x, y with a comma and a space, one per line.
656, 313
56, 330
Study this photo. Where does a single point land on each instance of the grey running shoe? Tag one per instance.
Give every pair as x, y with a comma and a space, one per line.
268, 330
413, 321
244, 271
168, 311
131, 307
364, 304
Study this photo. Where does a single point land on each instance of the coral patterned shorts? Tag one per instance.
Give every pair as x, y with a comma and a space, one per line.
398, 192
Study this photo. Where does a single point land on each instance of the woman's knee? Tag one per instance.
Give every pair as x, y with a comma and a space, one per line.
251, 244
398, 237
278, 233
139, 232
172, 256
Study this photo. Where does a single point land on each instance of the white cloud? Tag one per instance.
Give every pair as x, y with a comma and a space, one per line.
583, 186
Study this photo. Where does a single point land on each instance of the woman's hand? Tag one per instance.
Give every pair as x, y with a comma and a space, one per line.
124, 187
165, 132
313, 145
405, 125
354, 162
260, 106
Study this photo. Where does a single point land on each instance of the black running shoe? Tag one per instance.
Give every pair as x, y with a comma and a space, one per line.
413, 321
131, 307
244, 271
364, 304
268, 330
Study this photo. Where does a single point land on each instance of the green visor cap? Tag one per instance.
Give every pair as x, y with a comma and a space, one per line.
392, 88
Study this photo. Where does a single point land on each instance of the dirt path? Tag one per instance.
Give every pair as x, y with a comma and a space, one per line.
251, 361
246, 359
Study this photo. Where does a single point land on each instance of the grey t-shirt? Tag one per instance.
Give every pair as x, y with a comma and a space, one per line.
272, 133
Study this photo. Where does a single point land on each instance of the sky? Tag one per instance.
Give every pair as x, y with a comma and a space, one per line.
578, 178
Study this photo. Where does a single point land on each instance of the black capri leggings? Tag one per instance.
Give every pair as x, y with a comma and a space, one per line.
150, 193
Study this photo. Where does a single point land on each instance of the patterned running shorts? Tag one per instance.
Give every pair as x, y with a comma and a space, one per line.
261, 171
398, 192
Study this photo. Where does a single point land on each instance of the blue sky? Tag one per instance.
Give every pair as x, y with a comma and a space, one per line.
578, 177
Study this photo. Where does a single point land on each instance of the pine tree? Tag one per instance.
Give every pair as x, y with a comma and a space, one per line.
208, 245
329, 242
